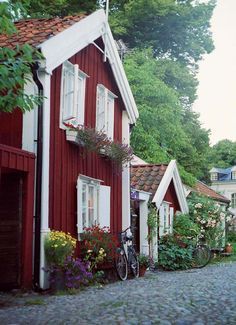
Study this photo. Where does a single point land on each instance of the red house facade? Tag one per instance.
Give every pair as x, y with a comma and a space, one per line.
83, 83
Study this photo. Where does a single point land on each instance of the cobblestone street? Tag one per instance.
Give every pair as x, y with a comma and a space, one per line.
204, 296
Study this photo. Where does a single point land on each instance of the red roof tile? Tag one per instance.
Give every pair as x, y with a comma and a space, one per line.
37, 31
203, 189
147, 177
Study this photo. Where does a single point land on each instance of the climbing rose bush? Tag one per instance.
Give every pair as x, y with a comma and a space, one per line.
210, 218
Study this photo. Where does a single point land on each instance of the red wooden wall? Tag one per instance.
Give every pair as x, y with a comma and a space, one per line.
171, 196
67, 161
11, 128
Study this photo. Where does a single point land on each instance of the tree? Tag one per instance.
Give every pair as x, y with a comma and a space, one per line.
164, 130
45, 8
175, 29
222, 154
15, 66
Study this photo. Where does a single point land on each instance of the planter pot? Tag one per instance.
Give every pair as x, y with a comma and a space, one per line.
228, 248
58, 280
142, 270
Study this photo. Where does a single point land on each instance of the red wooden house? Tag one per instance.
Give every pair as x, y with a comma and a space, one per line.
47, 182
161, 185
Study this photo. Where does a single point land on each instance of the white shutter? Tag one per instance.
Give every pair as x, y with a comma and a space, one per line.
171, 219
79, 206
81, 99
76, 87
161, 221
110, 117
104, 205
100, 111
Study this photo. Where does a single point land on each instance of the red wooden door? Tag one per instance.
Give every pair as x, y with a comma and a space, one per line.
10, 229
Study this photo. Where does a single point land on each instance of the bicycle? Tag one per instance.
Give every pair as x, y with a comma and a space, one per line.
126, 259
201, 255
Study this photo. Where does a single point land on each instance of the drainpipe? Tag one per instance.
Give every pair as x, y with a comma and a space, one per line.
38, 185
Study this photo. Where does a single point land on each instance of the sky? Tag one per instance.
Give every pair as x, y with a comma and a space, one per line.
216, 101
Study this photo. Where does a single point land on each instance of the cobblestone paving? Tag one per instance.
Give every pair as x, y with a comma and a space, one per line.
205, 296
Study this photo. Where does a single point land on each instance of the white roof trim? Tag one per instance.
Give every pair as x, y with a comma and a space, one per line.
171, 173
59, 48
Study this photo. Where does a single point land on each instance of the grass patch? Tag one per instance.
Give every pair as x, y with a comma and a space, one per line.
115, 304
35, 302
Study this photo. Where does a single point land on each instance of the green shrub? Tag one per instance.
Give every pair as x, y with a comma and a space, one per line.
184, 226
172, 256
231, 237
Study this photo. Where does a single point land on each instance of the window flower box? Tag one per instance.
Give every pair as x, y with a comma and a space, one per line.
72, 136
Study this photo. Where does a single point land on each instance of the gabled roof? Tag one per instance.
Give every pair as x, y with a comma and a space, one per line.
156, 178
60, 38
37, 31
147, 177
203, 189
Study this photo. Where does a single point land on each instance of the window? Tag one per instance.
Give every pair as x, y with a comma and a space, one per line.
233, 200
214, 176
166, 214
105, 111
93, 201
234, 175
72, 94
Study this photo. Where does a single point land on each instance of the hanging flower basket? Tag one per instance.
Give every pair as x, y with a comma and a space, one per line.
97, 141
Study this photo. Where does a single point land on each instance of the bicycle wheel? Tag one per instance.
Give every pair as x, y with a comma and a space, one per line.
134, 264
201, 256
121, 265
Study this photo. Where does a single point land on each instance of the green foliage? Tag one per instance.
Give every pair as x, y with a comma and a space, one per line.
15, 67
184, 226
210, 217
152, 221
231, 237
143, 260
222, 154
44, 8
175, 29
172, 256
164, 129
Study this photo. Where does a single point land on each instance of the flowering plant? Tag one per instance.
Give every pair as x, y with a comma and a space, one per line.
58, 246
99, 246
98, 142
76, 272
210, 218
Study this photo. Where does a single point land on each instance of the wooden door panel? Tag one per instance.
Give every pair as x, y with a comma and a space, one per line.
10, 229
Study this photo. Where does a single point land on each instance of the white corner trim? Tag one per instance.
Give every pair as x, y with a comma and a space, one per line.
45, 79
171, 173
80, 35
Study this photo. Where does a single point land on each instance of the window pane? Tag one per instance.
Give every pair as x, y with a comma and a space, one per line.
91, 198
68, 94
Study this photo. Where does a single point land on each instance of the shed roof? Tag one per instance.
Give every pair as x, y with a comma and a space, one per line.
203, 189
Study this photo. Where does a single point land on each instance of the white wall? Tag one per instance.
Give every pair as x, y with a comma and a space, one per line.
226, 189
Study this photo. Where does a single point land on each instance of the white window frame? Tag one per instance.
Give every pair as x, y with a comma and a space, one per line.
75, 113
233, 200
214, 176
101, 205
105, 105
234, 175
